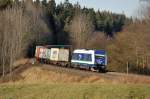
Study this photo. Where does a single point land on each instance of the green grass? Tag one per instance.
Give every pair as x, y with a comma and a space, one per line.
74, 91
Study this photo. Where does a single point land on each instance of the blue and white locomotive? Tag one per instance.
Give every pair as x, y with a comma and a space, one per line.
91, 59
95, 60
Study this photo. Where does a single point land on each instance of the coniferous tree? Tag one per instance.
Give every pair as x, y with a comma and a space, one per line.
37, 2
51, 6
44, 3
5, 3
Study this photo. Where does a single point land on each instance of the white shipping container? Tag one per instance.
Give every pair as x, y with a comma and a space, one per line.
64, 55
48, 53
54, 54
40, 53
44, 53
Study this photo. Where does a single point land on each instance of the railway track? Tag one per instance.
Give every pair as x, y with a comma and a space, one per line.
81, 72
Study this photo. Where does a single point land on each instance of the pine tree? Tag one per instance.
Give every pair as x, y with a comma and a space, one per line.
37, 2
44, 3
5, 3
51, 6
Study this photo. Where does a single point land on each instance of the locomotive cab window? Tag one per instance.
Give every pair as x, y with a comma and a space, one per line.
100, 59
82, 57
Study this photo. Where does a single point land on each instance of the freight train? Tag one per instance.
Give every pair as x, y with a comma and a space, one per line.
94, 60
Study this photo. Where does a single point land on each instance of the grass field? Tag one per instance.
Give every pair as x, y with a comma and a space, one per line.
74, 91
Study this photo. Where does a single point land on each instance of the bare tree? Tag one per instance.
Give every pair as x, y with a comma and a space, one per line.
98, 41
81, 29
20, 27
12, 35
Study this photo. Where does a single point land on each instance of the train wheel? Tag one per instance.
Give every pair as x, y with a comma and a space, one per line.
102, 70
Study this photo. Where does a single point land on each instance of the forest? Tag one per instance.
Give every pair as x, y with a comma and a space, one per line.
25, 24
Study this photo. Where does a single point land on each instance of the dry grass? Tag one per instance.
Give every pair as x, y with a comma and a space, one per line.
134, 79
36, 74
21, 62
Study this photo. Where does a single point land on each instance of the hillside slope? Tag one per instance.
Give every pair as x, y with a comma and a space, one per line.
34, 74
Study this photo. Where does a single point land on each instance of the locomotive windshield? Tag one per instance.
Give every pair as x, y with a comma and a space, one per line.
82, 57
100, 60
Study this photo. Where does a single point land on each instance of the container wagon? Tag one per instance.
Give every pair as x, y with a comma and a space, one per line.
54, 54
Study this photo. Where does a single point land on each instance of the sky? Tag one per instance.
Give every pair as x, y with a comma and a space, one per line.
127, 7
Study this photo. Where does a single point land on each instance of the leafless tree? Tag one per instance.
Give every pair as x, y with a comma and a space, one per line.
12, 35
81, 29
98, 41
20, 27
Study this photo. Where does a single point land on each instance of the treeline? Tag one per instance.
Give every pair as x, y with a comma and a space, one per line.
23, 25
64, 13
62, 20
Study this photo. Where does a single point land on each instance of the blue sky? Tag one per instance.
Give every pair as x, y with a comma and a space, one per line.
128, 7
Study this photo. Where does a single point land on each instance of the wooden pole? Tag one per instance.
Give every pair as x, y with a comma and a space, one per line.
127, 67
143, 65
